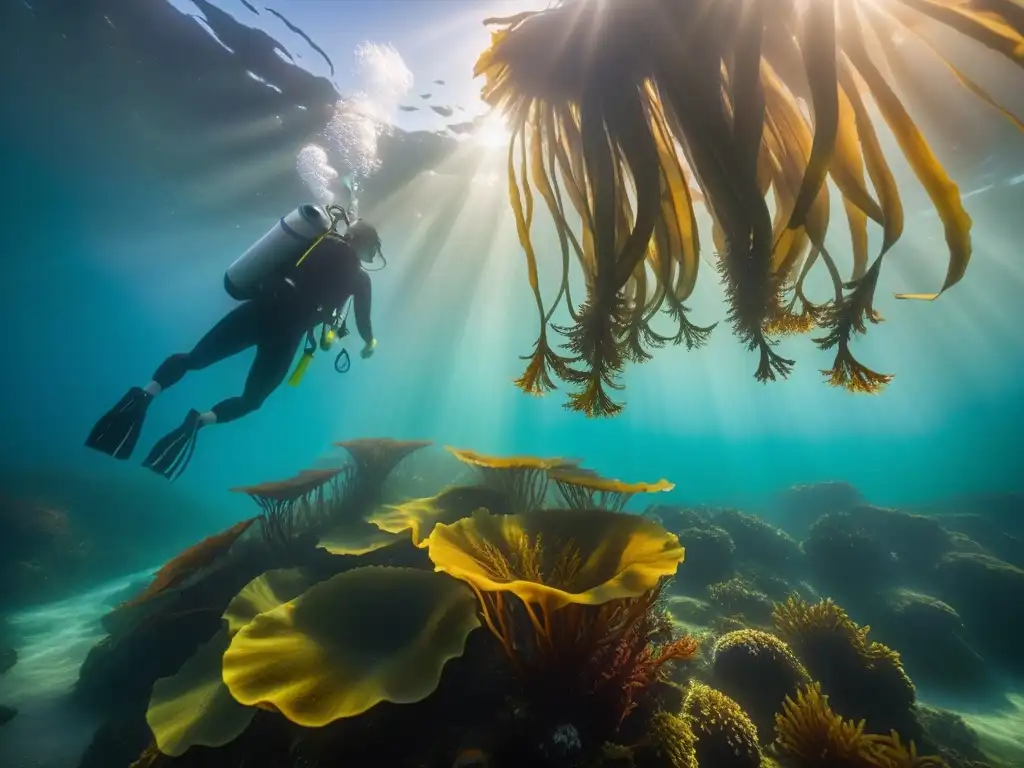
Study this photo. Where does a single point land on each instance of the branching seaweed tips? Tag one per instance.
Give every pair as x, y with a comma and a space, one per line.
616, 105
810, 735
865, 679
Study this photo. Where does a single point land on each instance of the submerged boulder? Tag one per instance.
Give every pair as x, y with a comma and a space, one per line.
974, 532
847, 561
760, 544
988, 594
798, 507
865, 551
930, 637
709, 558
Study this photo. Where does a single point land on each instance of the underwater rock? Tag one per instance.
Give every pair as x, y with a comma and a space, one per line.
117, 742
847, 561
7, 714
760, 544
929, 636
861, 552
1005, 510
41, 555
130, 591
798, 507
987, 593
690, 610
918, 542
675, 518
709, 558
956, 742
758, 671
739, 597
976, 533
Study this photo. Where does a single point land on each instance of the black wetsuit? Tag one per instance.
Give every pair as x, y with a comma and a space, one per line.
276, 325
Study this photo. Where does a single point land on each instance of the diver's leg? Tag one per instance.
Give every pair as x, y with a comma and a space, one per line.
117, 432
237, 331
274, 354
273, 360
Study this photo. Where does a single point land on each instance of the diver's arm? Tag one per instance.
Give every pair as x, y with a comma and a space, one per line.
362, 300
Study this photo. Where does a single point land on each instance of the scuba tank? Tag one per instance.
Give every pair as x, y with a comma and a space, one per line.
286, 243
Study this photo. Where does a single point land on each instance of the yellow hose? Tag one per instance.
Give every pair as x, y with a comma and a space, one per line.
300, 369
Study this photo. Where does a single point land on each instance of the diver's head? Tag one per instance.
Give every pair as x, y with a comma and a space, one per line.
363, 237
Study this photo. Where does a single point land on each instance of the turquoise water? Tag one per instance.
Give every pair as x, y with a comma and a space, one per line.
127, 190
110, 267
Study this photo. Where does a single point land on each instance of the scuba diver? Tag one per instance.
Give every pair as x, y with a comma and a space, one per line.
300, 274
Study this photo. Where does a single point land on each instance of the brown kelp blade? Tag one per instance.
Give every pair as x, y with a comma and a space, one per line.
196, 557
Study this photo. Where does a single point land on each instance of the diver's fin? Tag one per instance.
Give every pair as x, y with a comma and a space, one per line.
118, 431
173, 451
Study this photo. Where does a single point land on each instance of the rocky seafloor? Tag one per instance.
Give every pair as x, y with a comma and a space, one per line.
519, 617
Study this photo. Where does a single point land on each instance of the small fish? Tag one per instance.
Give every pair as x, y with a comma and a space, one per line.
442, 111
439, 82
426, 95
405, 108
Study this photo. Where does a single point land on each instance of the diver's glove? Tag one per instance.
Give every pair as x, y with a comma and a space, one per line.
368, 349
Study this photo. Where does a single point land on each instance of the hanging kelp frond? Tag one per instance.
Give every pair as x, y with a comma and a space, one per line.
618, 105
587, 132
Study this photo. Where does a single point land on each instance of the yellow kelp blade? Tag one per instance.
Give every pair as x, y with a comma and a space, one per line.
818, 47
944, 193
878, 18
874, 159
990, 29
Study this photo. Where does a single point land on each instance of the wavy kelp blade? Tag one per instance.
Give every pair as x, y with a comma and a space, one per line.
879, 172
745, 86
818, 46
535, 380
569, 154
858, 222
633, 135
599, 162
944, 193
680, 225
847, 171
791, 142
990, 29
903, 16
543, 131
847, 168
